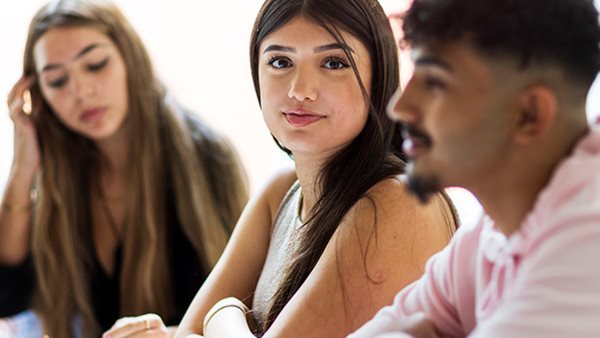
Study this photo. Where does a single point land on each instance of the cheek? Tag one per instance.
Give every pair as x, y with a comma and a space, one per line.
352, 101
114, 84
270, 94
468, 141
59, 102
113, 76
123, 93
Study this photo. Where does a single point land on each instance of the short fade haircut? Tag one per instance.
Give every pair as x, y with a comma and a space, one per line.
533, 32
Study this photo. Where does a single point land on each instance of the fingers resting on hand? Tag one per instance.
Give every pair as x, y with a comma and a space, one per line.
147, 325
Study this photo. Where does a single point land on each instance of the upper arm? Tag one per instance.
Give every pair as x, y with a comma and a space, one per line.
381, 246
445, 292
238, 269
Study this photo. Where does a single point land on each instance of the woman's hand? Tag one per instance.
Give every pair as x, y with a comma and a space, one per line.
26, 158
148, 325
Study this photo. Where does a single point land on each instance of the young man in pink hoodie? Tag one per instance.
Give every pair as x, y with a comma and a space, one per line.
497, 105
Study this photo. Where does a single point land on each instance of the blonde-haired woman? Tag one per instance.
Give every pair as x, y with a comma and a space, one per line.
136, 197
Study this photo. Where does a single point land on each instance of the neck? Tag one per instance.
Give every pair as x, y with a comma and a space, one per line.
114, 154
508, 199
307, 170
513, 191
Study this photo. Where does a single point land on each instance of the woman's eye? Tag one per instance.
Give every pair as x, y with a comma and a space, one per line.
58, 83
94, 67
279, 63
335, 63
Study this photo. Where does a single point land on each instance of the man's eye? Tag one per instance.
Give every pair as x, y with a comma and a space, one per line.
434, 83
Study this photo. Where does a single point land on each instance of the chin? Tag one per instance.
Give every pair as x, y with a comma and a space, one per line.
304, 147
98, 135
422, 185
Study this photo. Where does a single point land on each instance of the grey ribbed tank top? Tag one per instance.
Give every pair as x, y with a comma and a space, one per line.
283, 244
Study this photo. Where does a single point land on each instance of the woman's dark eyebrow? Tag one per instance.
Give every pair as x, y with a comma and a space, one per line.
336, 45
279, 48
319, 49
83, 52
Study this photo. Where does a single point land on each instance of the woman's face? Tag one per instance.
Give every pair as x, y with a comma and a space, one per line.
83, 78
311, 99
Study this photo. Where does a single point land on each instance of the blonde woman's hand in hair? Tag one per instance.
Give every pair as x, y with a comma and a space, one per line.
15, 215
149, 325
26, 158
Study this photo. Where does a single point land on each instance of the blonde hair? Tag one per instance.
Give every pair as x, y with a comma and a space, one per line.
207, 179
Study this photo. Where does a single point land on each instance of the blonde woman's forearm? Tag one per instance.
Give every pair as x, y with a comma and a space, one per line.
15, 218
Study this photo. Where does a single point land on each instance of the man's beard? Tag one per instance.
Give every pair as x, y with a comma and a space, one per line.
422, 187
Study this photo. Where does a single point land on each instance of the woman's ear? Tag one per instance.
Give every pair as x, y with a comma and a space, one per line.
536, 113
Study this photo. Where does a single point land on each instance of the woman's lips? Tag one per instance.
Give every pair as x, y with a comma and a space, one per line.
92, 115
301, 118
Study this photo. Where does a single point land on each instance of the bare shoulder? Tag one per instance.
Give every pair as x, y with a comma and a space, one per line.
274, 190
380, 246
395, 232
394, 206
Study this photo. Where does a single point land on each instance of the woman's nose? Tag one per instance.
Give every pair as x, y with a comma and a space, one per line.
304, 86
83, 88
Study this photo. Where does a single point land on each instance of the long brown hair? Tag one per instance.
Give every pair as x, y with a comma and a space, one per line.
172, 152
375, 154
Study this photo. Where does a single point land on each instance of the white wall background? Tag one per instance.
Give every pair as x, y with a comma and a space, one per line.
200, 50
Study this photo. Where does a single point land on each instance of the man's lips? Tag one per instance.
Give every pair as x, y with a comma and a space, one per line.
301, 118
414, 140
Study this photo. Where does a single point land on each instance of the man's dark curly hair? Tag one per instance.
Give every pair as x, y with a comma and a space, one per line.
561, 32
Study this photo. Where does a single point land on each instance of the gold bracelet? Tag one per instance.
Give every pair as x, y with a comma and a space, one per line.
212, 313
33, 197
16, 209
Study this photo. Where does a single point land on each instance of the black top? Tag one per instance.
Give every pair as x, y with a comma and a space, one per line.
187, 275
17, 283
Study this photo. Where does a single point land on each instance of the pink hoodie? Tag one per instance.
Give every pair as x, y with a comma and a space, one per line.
542, 281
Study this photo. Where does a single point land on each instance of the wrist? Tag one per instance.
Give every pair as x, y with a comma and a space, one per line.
16, 208
22, 172
19, 195
230, 302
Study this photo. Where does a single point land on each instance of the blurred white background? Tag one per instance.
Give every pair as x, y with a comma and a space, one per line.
200, 51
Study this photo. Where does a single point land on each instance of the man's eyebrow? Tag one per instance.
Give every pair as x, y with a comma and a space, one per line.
433, 61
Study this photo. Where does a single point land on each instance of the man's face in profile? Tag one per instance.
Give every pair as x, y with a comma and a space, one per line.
452, 111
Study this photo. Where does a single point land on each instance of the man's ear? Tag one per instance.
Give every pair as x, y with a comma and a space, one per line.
536, 113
